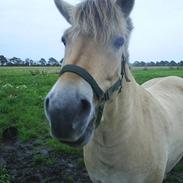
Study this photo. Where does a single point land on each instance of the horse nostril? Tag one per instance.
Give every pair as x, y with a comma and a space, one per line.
47, 101
85, 105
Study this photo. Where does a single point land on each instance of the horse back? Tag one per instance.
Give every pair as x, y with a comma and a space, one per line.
168, 91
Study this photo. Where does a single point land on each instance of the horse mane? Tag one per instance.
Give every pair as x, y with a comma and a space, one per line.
100, 19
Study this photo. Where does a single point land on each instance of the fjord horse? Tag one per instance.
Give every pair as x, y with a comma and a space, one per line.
130, 133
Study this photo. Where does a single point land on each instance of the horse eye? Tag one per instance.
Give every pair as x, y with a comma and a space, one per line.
64, 40
119, 42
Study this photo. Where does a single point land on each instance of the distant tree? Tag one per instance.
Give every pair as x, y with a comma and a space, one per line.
166, 63
12, 60
139, 64
151, 64
136, 64
158, 63
172, 63
53, 62
31, 62
19, 61
142, 64
180, 63
9, 63
42, 62
162, 63
27, 62
16, 61
3, 60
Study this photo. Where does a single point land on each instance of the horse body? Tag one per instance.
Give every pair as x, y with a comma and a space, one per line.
146, 129
140, 138
168, 91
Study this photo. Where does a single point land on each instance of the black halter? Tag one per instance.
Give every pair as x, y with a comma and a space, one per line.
100, 94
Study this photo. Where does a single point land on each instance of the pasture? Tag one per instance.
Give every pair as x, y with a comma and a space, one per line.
22, 92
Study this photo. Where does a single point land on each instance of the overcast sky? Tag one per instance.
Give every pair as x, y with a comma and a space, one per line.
34, 28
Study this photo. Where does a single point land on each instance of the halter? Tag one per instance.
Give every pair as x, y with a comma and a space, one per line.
102, 96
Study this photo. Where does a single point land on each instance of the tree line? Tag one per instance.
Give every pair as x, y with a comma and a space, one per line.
29, 62
53, 62
171, 63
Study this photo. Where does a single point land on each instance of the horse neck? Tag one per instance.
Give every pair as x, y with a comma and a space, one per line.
116, 122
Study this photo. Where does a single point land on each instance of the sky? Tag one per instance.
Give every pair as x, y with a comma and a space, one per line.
33, 29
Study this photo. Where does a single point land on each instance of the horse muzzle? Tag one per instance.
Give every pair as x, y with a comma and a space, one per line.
70, 115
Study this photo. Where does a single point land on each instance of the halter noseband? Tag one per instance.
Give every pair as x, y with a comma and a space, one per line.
100, 94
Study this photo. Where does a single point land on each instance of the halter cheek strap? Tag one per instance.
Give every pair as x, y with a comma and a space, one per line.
100, 94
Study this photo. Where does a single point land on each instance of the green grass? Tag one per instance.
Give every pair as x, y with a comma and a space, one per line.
58, 147
4, 176
179, 168
143, 75
22, 93
21, 101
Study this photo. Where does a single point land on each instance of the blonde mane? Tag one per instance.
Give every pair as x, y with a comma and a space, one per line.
100, 19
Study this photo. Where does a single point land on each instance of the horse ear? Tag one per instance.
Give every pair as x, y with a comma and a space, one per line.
126, 6
66, 10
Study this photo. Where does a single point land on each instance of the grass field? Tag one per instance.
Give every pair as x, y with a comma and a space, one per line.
22, 92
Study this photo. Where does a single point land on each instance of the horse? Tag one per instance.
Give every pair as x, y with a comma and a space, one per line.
130, 133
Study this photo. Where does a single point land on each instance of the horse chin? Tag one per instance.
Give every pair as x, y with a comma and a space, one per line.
84, 139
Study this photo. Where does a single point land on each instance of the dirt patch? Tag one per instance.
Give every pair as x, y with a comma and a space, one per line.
34, 163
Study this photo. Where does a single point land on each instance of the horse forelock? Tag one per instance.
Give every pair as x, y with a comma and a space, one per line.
100, 19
